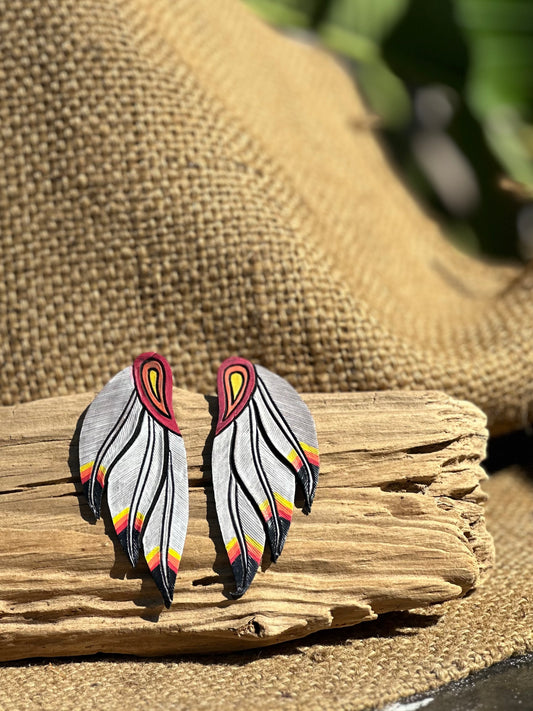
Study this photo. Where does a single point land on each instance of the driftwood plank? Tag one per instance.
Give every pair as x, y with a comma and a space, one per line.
397, 523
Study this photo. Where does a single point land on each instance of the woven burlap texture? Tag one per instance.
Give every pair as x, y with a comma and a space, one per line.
355, 668
176, 176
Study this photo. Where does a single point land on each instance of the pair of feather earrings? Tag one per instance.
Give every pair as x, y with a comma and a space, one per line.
131, 446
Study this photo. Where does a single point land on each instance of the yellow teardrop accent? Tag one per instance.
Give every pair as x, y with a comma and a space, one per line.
153, 374
236, 381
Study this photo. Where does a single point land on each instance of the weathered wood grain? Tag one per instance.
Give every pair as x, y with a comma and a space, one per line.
397, 523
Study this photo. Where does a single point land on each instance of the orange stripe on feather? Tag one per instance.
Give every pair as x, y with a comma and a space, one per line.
233, 549
255, 549
153, 558
85, 472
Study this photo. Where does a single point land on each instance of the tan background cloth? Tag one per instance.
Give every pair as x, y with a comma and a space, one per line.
355, 668
174, 175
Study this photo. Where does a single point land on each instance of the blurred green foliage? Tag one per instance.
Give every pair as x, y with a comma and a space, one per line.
452, 82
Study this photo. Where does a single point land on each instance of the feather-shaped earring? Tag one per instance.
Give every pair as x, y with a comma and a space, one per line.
131, 445
265, 441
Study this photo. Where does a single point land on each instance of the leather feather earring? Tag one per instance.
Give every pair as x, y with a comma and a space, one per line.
130, 445
265, 442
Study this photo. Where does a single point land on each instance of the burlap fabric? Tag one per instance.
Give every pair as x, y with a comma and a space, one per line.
174, 175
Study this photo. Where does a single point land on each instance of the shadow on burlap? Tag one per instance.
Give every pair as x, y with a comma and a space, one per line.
176, 176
